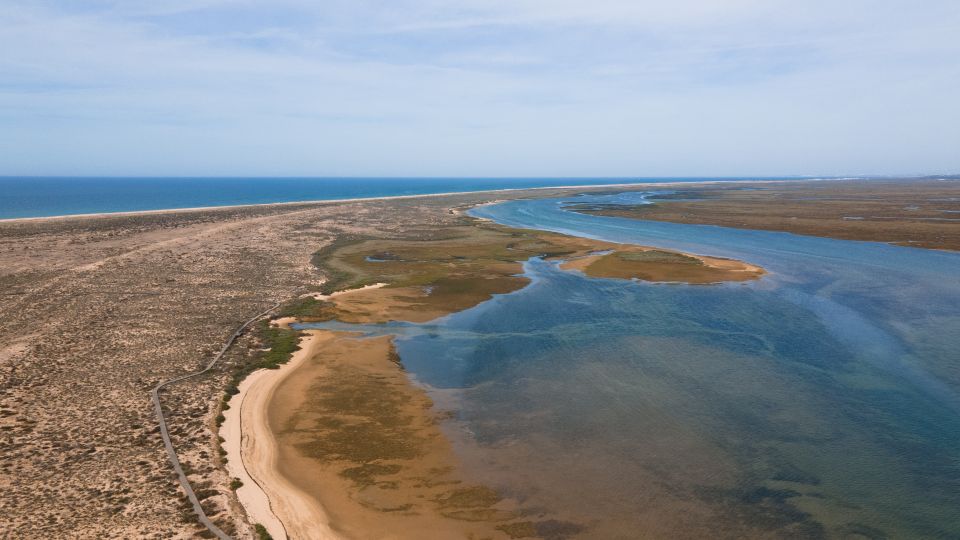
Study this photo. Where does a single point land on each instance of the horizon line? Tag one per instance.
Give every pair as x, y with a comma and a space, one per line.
528, 177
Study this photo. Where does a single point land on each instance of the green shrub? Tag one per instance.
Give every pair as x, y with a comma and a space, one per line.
261, 531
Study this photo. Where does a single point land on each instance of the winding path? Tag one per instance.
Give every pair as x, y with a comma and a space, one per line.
171, 452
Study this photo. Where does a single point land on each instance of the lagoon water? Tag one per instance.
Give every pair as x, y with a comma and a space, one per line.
820, 401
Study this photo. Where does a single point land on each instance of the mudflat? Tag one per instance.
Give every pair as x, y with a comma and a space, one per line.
359, 438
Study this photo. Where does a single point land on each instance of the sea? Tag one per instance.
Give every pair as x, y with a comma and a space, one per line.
821, 401
22, 197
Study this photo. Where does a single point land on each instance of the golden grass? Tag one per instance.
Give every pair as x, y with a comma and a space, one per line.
665, 266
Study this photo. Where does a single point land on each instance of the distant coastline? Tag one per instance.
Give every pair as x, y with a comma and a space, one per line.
8, 202
59, 197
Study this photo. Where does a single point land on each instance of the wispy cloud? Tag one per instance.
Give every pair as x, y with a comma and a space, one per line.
493, 87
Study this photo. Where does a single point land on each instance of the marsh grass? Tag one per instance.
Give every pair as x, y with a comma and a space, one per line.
445, 271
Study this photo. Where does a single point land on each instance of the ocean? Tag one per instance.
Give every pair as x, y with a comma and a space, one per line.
22, 197
822, 401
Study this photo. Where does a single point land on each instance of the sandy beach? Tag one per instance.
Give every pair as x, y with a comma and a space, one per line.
293, 494
252, 450
267, 497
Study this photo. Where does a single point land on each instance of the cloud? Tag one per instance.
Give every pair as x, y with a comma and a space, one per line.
495, 87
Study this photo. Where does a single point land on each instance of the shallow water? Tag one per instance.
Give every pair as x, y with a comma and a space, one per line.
822, 400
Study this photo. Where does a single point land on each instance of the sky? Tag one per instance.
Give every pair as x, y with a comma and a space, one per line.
479, 87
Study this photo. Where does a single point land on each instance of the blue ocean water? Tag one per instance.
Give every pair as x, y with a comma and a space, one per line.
45, 196
822, 401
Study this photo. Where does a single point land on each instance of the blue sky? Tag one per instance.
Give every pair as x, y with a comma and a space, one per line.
479, 88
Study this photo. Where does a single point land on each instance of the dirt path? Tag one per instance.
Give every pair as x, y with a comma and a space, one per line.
165, 434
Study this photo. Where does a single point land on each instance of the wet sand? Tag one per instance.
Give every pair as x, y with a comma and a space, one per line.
338, 443
364, 443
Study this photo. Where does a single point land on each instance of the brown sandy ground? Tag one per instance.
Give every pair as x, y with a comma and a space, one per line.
95, 311
911, 212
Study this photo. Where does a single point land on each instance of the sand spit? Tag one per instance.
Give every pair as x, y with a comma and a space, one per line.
320, 296
252, 450
399, 197
83, 296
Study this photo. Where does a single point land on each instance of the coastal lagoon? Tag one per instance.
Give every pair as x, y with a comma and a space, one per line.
820, 401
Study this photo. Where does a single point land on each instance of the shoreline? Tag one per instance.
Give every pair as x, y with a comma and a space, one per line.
161, 211
251, 450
